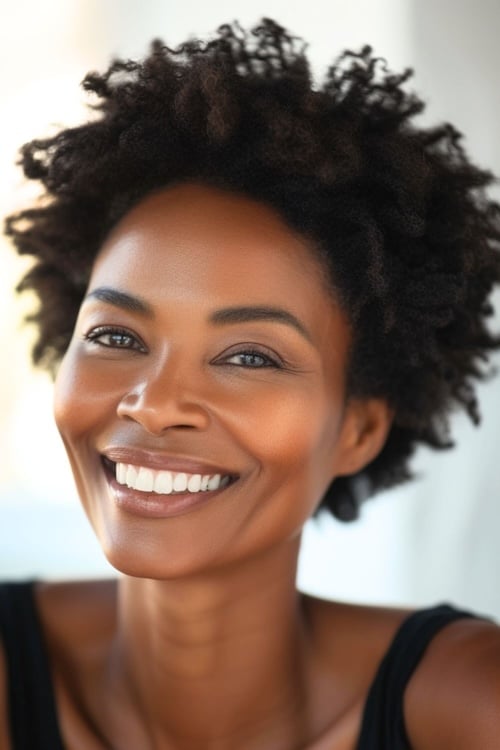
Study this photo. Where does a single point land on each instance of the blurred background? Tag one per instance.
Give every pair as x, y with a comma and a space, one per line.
436, 539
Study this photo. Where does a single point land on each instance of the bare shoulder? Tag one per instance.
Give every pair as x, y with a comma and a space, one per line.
453, 699
78, 621
354, 637
75, 597
356, 621
76, 612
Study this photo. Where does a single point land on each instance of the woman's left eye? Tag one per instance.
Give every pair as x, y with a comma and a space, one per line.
254, 359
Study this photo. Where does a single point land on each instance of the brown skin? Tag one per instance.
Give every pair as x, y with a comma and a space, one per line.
204, 641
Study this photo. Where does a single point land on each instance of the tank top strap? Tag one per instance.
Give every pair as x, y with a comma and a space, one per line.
383, 725
31, 703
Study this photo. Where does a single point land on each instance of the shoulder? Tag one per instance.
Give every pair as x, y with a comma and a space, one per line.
354, 622
74, 615
453, 699
73, 618
74, 598
353, 639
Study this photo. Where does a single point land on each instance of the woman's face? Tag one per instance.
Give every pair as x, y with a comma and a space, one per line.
208, 352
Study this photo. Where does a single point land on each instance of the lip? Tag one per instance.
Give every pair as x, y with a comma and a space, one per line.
151, 504
164, 462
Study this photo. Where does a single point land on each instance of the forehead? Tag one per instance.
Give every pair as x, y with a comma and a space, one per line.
193, 238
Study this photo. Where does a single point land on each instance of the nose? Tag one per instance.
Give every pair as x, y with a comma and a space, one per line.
163, 400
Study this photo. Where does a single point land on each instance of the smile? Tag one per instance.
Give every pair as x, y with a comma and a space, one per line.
144, 479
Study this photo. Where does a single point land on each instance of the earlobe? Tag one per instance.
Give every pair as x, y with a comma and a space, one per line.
364, 431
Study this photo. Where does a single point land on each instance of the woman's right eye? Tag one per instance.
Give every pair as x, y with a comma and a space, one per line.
114, 338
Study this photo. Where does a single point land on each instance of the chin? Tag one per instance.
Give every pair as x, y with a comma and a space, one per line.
134, 552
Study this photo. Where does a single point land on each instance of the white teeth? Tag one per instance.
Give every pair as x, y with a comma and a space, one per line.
213, 482
131, 476
194, 483
163, 482
180, 482
166, 482
145, 480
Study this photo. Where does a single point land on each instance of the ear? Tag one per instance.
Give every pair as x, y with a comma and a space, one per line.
364, 431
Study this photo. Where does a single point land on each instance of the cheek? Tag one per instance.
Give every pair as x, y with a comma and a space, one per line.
69, 393
292, 432
80, 407
293, 440
83, 396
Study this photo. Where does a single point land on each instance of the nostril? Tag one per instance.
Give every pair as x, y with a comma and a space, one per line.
158, 411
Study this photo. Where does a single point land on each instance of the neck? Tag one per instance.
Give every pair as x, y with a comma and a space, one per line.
218, 660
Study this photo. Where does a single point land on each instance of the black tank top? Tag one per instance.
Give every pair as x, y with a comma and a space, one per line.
32, 709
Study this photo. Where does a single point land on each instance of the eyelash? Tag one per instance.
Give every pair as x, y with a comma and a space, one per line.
270, 362
96, 334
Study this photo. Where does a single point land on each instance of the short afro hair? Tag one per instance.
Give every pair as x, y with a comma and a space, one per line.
398, 214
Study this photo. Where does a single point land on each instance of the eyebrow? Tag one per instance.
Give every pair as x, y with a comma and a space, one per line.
121, 299
249, 314
225, 316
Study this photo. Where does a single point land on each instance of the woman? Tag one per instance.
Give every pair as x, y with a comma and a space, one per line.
264, 296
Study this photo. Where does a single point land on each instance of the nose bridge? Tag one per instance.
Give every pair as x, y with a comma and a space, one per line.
167, 393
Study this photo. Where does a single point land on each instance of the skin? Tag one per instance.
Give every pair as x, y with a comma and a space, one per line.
204, 641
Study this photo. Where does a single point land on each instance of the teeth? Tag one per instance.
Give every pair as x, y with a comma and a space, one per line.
145, 480
130, 476
194, 483
166, 482
214, 482
121, 473
180, 482
163, 482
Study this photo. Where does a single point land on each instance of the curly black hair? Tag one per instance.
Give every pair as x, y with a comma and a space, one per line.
398, 214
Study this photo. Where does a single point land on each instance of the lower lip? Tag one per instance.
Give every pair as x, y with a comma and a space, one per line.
155, 505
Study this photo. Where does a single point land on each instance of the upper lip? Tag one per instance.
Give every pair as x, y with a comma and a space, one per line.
163, 461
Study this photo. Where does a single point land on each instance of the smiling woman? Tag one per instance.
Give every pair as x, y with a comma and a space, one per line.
227, 360
259, 297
